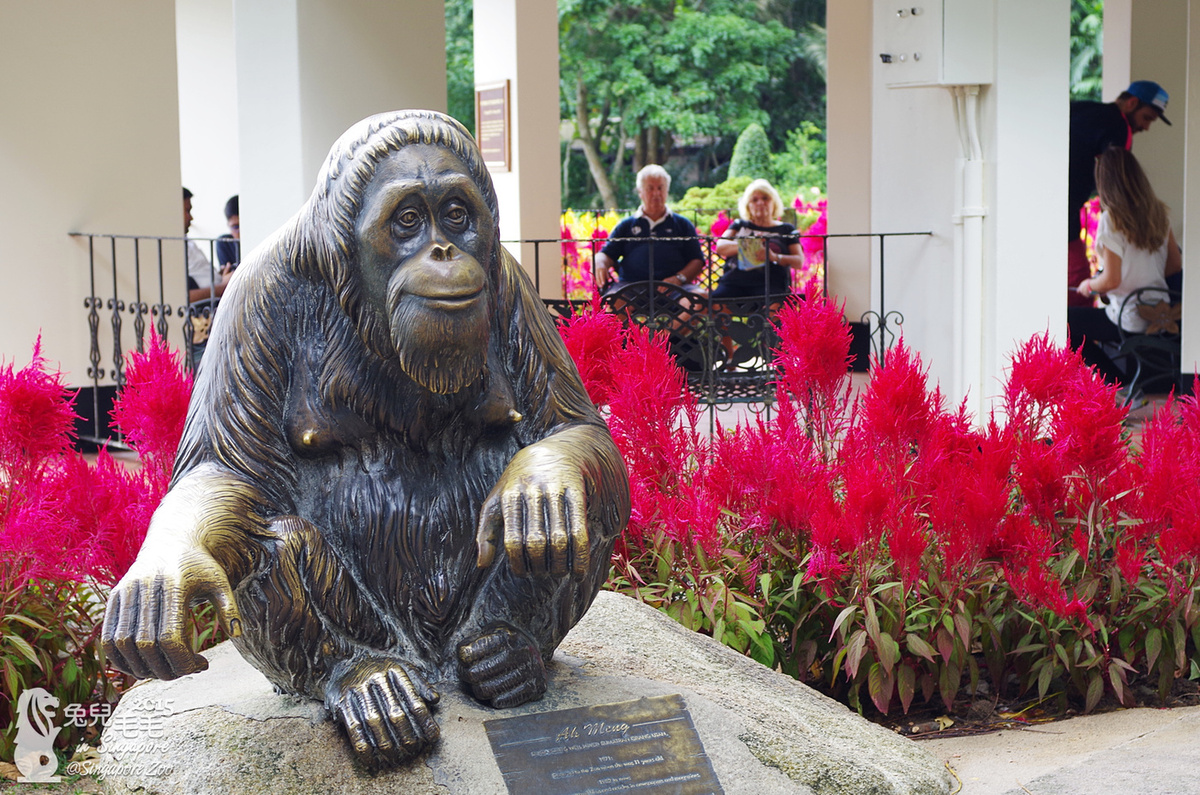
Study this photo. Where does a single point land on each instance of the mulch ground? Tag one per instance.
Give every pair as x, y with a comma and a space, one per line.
984, 715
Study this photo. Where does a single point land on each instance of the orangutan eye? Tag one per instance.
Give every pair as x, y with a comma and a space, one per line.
456, 217
407, 221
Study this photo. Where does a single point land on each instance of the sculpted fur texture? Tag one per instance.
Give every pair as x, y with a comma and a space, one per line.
391, 476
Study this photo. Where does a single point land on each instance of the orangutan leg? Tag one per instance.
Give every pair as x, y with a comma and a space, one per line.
502, 667
384, 708
303, 612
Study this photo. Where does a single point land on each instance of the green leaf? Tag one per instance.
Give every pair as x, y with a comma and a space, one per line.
25, 649
1117, 677
964, 629
27, 621
919, 647
1153, 647
879, 685
948, 681
906, 685
847, 611
889, 652
1062, 655
12, 680
857, 648
1094, 691
872, 621
945, 644
1044, 680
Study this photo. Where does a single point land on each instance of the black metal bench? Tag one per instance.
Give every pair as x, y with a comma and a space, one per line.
1152, 357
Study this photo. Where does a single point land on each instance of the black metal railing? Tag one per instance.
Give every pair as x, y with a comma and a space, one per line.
148, 279
726, 346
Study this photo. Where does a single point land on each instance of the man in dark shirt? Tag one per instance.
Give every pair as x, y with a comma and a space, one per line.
652, 243
1095, 126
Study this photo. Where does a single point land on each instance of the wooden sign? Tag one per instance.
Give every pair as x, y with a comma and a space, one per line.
492, 125
647, 745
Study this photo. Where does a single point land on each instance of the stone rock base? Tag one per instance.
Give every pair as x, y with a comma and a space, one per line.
226, 730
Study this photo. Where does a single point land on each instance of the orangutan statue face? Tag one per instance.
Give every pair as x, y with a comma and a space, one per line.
425, 239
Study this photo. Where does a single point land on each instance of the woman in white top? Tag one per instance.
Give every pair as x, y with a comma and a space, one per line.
1135, 247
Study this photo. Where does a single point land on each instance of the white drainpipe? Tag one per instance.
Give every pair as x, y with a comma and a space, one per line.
969, 307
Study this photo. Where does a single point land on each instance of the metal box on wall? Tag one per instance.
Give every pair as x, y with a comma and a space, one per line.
936, 42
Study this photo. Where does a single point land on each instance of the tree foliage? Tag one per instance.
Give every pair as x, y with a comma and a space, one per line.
460, 61
751, 154
1087, 48
801, 164
640, 77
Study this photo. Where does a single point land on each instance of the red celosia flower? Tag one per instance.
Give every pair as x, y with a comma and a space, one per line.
151, 407
594, 339
37, 421
719, 226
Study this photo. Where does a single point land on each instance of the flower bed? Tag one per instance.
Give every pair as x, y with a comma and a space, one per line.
889, 551
69, 529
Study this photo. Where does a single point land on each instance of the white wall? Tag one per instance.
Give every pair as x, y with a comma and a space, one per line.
517, 40
1158, 52
915, 181
849, 151
89, 141
1189, 233
1027, 286
914, 148
306, 71
208, 131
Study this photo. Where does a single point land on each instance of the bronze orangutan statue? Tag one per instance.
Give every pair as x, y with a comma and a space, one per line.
390, 473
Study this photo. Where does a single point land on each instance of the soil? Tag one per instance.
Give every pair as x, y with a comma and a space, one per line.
984, 714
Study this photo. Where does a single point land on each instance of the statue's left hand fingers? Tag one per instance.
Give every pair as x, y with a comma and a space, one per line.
568, 532
491, 529
538, 521
578, 556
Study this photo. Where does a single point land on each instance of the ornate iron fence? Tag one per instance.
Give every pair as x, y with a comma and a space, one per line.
726, 347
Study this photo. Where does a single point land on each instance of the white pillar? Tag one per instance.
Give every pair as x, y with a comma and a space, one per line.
1026, 284
89, 142
1159, 52
1189, 233
848, 118
517, 41
1118, 28
208, 129
307, 70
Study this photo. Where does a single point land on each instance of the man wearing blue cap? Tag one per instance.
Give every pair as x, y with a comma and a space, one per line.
1095, 126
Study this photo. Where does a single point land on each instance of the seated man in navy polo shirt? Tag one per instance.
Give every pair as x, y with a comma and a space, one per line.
654, 243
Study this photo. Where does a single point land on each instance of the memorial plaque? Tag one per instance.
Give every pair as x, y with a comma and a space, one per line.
491, 120
647, 745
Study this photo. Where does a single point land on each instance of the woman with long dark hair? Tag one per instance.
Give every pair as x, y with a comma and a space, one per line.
1135, 248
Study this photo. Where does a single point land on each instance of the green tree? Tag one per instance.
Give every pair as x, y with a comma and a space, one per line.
1087, 48
802, 162
751, 154
460, 61
639, 76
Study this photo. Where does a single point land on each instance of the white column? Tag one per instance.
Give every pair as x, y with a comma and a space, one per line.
1189, 234
1159, 52
307, 70
1026, 283
849, 119
208, 129
1118, 28
517, 41
89, 142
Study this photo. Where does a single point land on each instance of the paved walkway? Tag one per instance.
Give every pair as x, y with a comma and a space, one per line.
1127, 752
